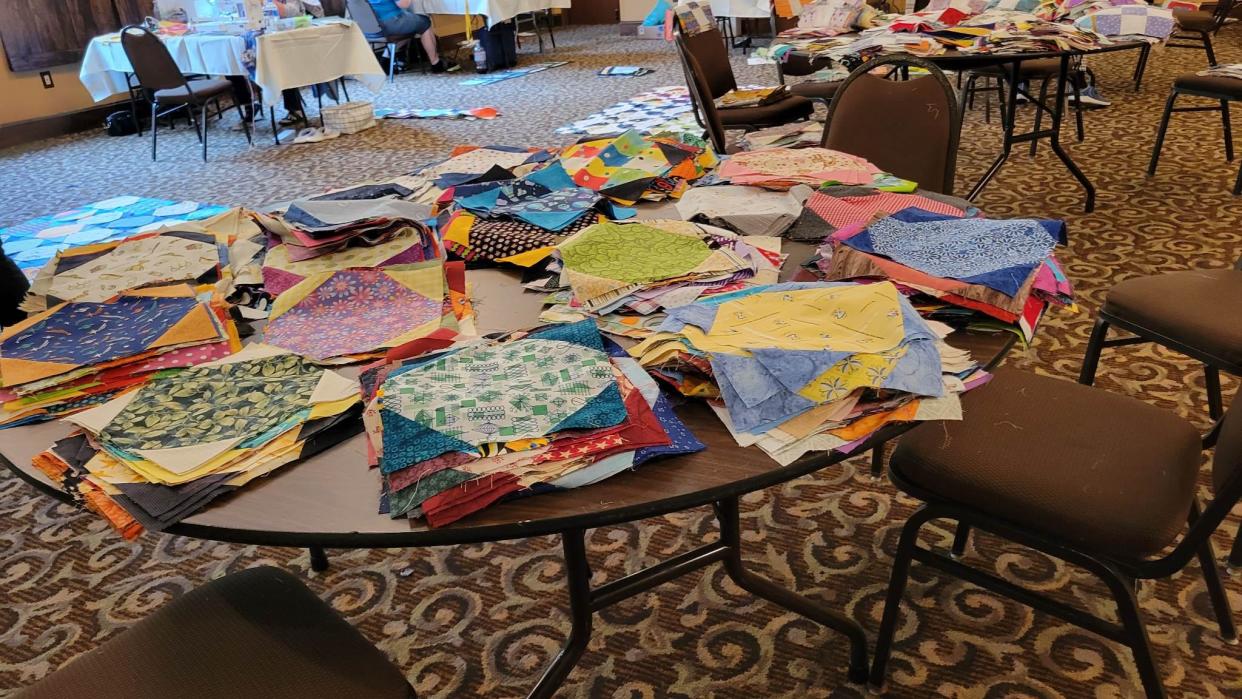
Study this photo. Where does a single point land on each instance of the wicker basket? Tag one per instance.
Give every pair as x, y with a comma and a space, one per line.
350, 117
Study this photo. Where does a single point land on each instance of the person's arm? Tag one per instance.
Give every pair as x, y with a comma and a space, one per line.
405, 4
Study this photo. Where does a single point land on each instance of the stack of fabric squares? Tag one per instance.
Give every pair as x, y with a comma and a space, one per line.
356, 314
634, 167
312, 228
745, 210
969, 272
151, 457
455, 431
31, 244
472, 164
783, 168
662, 110
96, 273
799, 367
645, 266
837, 207
518, 221
79, 353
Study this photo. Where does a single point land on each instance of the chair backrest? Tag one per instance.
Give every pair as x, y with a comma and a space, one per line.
153, 64
1221, 13
709, 75
909, 128
361, 12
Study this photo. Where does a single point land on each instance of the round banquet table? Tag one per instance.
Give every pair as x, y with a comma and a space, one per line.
804, 63
330, 500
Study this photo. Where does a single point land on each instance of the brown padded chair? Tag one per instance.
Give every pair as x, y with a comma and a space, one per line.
800, 66
709, 76
257, 634
1195, 28
1222, 90
163, 83
909, 128
1102, 481
1196, 312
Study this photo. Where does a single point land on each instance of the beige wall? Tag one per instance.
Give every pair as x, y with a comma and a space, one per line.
635, 10
22, 95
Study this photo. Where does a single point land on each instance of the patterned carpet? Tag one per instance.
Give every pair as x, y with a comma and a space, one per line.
484, 620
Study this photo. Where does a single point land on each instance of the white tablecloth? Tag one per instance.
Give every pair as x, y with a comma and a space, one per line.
495, 10
294, 58
759, 9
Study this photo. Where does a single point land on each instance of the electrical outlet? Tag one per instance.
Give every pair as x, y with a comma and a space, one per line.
47, 80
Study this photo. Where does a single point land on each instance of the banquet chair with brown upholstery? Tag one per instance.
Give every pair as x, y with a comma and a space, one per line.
909, 128
1197, 313
257, 634
798, 66
1223, 90
1195, 28
1102, 481
709, 76
163, 83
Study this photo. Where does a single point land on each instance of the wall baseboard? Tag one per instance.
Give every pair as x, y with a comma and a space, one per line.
31, 130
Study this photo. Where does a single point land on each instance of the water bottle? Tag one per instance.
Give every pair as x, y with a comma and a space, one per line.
480, 57
271, 16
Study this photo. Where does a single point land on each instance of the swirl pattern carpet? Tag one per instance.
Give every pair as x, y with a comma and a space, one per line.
484, 620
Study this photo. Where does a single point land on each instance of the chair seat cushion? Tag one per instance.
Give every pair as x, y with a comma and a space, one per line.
1199, 308
791, 108
203, 89
1195, 20
257, 634
1229, 88
1096, 470
816, 89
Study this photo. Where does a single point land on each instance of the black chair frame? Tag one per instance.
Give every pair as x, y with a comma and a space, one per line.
1169, 109
535, 17
1212, 366
1119, 575
1200, 39
200, 120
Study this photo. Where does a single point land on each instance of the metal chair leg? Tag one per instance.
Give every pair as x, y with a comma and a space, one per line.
203, 109
1211, 380
1207, 45
877, 462
892, 602
547, 19
961, 537
155, 128
1094, 346
1215, 588
194, 119
1160, 133
271, 115
1224, 122
245, 125
1237, 183
391, 49
1235, 553
318, 559
1140, 644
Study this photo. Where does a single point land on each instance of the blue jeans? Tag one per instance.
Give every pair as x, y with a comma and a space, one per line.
406, 23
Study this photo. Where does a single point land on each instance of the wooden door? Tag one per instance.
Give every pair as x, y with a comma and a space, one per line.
43, 33
595, 12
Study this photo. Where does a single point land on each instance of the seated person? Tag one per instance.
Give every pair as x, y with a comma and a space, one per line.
396, 17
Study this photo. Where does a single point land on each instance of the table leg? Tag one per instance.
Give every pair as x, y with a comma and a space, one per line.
731, 536
318, 559
585, 601
1010, 108
1057, 112
578, 573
